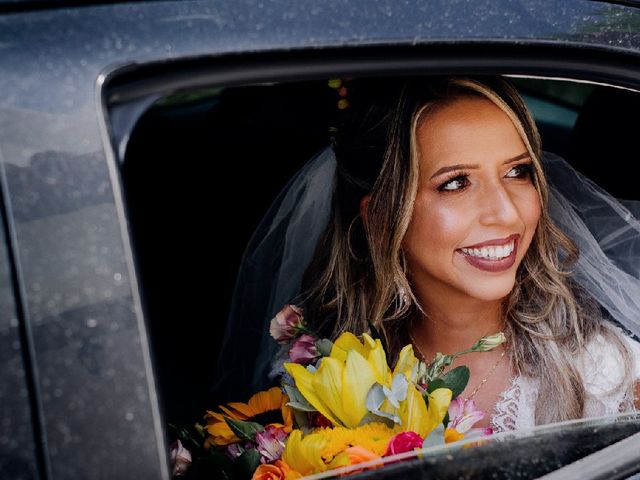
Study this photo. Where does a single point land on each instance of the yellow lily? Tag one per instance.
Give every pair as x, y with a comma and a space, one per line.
337, 389
369, 348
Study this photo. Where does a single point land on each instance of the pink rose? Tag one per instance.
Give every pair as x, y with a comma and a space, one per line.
285, 325
180, 458
304, 350
403, 442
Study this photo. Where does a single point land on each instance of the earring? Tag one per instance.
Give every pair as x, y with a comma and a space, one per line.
403, 296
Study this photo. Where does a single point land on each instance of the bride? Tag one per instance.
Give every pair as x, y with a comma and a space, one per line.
435, 225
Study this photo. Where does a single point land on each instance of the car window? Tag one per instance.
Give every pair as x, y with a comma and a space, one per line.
17, 439
212, 160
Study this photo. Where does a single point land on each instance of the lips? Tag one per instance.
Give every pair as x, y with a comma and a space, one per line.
496, 241
480, 255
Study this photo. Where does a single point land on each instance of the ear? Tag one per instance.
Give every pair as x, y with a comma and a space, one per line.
364, 204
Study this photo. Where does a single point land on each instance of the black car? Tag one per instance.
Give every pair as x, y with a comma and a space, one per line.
141, 143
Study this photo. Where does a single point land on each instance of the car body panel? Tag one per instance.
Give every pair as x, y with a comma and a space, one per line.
94, 382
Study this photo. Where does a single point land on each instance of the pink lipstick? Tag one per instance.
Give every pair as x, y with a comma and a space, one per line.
496, 255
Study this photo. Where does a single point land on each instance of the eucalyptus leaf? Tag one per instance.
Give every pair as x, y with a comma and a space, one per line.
324, 346
374, 418
244, 430
375, 397
303, 407
435, 438
457, 380
398, 391
302, 421
297, 401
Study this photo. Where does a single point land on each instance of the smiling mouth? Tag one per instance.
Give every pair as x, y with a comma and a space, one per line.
492, 256
498, 252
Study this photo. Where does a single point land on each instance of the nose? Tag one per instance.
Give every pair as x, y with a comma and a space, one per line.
498, 206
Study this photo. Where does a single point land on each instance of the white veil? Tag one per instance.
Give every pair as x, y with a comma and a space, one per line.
605, 230
270, 275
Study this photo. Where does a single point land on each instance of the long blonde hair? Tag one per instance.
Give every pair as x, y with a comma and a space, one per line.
358, 275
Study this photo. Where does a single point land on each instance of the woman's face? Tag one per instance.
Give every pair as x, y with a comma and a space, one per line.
476, 208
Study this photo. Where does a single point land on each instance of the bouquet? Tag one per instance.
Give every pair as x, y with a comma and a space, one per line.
339, 404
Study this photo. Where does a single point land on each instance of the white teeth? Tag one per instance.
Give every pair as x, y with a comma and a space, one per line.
491, 253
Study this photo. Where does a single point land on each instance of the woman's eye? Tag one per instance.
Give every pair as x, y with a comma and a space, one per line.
524, 170
457, 183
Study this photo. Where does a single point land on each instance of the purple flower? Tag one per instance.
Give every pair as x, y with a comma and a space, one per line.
180, 458
270, 443
285, 325
234, 450
463, 415
304, 350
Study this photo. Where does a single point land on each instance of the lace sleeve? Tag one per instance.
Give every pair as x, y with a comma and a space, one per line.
604, 376
634, 347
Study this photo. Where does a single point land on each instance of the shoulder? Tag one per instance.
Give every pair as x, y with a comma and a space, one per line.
602, 363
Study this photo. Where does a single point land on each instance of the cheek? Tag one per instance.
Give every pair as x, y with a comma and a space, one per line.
530, 211
438, 226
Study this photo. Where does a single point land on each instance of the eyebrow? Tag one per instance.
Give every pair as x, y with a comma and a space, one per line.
461, 166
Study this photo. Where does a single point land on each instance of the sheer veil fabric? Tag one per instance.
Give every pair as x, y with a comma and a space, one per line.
606, 231
270, 275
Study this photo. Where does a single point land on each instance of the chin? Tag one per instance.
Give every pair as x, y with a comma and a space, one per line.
492, 291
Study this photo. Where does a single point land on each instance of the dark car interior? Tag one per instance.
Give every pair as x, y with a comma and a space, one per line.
212, 161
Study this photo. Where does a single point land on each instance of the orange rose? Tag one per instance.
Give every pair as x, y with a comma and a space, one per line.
278, 471
358, 454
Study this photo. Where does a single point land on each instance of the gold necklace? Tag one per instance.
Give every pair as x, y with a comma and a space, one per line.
484, 380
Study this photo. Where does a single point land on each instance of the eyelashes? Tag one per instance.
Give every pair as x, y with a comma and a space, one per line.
460, 180
524, 170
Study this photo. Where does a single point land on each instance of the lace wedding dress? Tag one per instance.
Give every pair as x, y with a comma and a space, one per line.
601, 371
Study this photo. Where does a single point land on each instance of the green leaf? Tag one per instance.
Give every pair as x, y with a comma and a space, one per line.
213, 465
188, 437
249, 461
244, 430
435, 384
457, 380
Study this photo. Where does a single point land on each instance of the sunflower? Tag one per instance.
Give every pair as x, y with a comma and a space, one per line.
327, 448
266, 408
